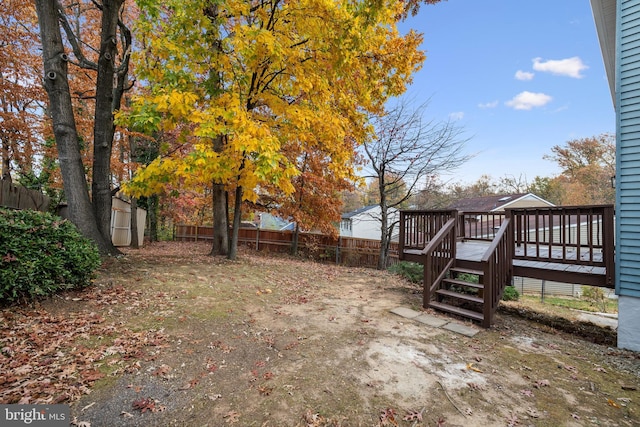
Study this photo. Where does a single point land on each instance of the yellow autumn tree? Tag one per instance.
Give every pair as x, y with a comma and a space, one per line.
250, 81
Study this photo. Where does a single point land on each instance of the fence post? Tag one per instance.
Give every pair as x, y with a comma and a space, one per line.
257, 238
338, 250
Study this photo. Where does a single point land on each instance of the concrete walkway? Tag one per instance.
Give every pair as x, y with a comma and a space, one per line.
600, 319
436, 322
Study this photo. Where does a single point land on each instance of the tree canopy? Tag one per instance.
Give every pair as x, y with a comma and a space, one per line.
253, 85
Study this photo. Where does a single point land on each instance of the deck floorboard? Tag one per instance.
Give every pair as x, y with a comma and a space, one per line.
474, 250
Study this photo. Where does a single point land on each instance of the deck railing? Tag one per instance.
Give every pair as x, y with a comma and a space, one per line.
479, 225
417, 228
439, 256
497, 269
579, 235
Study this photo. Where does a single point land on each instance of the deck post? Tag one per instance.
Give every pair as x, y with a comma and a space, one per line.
401, 236
608, 244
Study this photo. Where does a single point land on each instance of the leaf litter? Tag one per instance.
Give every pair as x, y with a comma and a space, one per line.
122, 341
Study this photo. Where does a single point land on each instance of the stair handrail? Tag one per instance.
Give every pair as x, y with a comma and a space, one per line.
497, 265
435, 267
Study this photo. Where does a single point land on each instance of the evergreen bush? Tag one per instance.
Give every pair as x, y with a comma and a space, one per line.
510, 294
411, 271
41, 254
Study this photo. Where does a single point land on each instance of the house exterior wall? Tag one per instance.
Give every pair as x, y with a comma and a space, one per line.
366, 225
628, 172
544, 234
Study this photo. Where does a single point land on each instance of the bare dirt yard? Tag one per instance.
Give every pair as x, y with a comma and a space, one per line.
169, 336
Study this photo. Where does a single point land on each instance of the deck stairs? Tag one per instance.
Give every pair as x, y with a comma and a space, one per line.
461, 294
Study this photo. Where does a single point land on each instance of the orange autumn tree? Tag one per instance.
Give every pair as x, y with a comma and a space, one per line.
21, 94
256, 80
587, 165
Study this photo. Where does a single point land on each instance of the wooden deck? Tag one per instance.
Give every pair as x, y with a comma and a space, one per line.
565, 244
470, 253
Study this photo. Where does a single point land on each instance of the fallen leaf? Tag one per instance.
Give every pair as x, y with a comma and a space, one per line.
613, 403
541, 383
265, 390
413, 416
313, 419
470, 367
162, 371
144, 405
475, 386
91, 375
533, 413
232, 417
388, 417
512, 420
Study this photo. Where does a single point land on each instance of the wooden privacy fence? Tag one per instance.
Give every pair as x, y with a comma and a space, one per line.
347, 251
18, 197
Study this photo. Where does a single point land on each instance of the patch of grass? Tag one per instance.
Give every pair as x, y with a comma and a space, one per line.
571, 303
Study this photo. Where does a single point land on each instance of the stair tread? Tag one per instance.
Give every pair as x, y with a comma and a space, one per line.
466, 297
467, 271
464, 283
457, 310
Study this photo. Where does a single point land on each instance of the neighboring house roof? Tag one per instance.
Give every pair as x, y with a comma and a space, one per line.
272, 222
358, 211
604, 15
494, 202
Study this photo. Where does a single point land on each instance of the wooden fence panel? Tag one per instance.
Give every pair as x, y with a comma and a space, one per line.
323, 248
18, 197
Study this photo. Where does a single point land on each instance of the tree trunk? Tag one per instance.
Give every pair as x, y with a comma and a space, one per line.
384, 243
134, 224
64, 127
6, 162
295, 239
220, 224
107, 100
152, 212
237, 217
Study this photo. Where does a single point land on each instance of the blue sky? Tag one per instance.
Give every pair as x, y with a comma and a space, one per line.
518, 76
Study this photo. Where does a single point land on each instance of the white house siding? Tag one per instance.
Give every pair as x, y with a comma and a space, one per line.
527, 285
571, 233
366, 224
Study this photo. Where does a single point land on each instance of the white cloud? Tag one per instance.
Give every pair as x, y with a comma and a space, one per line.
570, 67
458, 115
492, 104
524, 75
528, 100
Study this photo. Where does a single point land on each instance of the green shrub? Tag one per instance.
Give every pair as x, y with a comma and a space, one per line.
411, 271
41, 254
596, 297
510, 294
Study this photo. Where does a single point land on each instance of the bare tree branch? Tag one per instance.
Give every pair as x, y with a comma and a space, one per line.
406, 150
